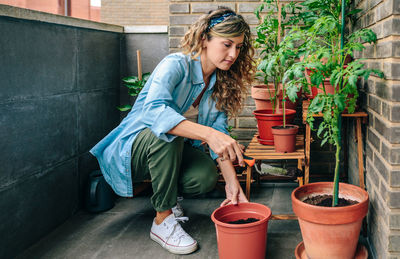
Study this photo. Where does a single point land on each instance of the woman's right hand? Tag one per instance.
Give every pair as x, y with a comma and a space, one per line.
224, 146
234, 194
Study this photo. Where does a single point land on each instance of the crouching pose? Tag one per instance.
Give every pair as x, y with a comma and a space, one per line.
184, 105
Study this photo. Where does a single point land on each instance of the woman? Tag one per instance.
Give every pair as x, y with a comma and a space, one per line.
184, 104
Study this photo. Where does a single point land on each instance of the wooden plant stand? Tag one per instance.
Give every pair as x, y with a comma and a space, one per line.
265, 152
360, 117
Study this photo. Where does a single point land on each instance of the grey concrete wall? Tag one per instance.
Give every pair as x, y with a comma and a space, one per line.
153, 48
59, 89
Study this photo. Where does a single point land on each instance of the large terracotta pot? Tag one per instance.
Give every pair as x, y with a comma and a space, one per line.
325, 84
262, 95
238, 241
266, 119
330, 232
285, 138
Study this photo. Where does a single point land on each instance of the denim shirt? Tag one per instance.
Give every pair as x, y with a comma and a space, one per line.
169, 92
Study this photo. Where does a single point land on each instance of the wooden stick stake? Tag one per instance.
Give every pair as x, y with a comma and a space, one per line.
139, 65
279, 21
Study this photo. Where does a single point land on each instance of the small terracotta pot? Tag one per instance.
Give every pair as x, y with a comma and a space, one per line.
267, 119
262, 95
285, 138
330, 232
238, 241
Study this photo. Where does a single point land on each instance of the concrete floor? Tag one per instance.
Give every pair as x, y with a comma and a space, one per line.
123, 232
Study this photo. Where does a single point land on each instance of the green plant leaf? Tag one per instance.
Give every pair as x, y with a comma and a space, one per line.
146, 76
291, 92
131, 80
353, 80
340, 101
321, 128
124, 108
324, 141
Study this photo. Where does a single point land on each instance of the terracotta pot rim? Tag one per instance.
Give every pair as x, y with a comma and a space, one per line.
285, 131
287, 125
329, 184
270, 114
330, 212
247, 206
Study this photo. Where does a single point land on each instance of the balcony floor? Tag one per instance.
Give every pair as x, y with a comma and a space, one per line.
123, 232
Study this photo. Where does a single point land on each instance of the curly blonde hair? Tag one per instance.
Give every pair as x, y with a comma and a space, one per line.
230, 90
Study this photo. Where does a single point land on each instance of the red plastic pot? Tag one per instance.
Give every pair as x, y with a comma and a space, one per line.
266, 119
238, 241
330, 232
285, 138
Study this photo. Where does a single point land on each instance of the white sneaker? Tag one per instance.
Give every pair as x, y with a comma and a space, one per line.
171, 236
177, 209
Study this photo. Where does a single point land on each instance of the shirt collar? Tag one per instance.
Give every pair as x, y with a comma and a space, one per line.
197, 74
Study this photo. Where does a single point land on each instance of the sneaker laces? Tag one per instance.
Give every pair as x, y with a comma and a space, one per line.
177, 232
177, 209
178, 206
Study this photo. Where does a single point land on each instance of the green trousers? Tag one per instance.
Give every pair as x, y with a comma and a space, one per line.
172, 167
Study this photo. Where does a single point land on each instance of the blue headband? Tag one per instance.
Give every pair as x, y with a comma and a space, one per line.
216, 20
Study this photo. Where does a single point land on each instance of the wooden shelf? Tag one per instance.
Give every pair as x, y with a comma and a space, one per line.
259, 151
267, 152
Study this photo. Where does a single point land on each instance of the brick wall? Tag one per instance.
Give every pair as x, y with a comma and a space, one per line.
182, 15
381, 98
135, 12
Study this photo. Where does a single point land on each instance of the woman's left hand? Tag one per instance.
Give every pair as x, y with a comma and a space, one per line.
234, 194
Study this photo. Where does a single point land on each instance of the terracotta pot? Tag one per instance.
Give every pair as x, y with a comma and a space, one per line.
285, 138
325, 84
330, 232
238, 241
262, 95
267, 119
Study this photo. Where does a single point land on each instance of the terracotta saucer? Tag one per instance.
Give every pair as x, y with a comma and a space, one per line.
265, 141
300, 252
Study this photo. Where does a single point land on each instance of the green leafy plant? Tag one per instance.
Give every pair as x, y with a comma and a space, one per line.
324, 54
230, 129
275, 56
134, 85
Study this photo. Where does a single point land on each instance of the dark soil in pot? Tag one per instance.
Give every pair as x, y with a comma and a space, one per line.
244, 221
287, 127
326, 201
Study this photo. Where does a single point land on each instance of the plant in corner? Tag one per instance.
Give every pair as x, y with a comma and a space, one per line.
332, 231
134, 85
275, 58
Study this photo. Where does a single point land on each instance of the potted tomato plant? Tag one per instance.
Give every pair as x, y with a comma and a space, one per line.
285, 134
271, 67
332, 231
